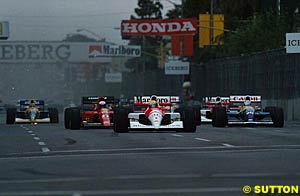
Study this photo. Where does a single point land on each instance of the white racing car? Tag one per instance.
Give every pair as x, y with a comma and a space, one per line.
165, 114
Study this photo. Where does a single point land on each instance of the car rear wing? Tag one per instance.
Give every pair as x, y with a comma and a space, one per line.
160, 99
95, 99
238, 100
242, 98
213, 100
141, 102
27, 102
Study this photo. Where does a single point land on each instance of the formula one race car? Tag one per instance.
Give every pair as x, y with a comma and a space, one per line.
209, 103
155, 113
31, 111
95, 111
247, 110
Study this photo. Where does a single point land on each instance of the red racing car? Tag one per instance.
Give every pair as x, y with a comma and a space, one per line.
95, 111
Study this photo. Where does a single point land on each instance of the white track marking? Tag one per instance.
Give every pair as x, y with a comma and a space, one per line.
228, 145
42, 143
22, 126
45, 150
202, 139
177, 135
36, 138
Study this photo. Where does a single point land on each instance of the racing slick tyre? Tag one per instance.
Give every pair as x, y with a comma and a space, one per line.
276, 115
10, 115
189, 120
53, 113
219, 117
121, 122
197, 112
75, 121
67, 118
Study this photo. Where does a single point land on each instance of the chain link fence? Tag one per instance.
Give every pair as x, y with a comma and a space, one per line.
274, 75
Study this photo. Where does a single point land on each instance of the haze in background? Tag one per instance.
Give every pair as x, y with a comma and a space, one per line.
54, 19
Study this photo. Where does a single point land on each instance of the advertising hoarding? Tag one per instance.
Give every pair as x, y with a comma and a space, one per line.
177, 68
180, 26
70, 52
293, 43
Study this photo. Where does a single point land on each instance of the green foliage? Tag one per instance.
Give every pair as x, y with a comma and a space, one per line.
149, 9
175, 12
264, 32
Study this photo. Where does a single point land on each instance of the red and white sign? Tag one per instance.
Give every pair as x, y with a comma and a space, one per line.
238, 98
114, 50
182, 26
160, 99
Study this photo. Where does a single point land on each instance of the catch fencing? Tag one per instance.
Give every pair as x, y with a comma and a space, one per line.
274, 75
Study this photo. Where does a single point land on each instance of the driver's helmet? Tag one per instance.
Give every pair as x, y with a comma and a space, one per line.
153, 101
218, 100
102, 104
247, 101
32, 103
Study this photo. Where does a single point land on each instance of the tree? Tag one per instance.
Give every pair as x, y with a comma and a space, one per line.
265, 32
175, 12
147, 9
78, 38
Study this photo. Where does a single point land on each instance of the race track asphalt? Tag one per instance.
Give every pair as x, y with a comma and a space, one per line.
46, 159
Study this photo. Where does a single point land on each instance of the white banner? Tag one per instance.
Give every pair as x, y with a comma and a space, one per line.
4, 30
70, 52
177, 68
113, 77
293, 42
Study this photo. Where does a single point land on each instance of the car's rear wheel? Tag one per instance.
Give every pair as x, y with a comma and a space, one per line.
276, 115
53, 113
11, 115
197, 112
121, 122
219, 117
189, 119
67, 118
75, 121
